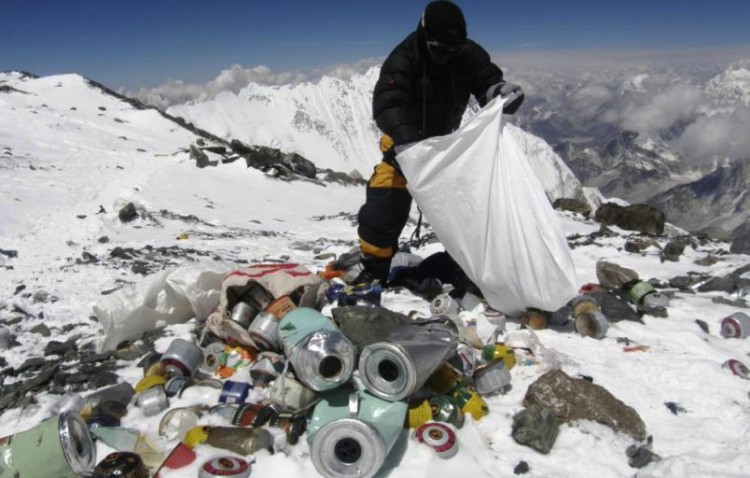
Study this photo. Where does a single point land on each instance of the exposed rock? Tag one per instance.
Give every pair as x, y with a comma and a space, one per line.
356, 175
239, 147
576, 399
200, 158
60, 348
613, 277
9, 253
41, 329
637, 217
536, 427
639, 245
741, 239
521, 468
574, 205
128, 213
614, 307
641, 456
674, 249
298, 164
707, 261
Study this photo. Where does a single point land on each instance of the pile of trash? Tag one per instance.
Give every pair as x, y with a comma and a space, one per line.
282, 371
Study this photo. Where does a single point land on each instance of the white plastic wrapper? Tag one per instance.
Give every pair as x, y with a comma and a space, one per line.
483, 200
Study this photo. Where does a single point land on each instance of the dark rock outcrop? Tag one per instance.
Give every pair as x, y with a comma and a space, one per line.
637, 217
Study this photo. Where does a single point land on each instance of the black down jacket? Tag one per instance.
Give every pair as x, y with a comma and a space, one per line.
416, 99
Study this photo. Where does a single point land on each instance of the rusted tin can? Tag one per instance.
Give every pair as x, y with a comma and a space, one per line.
736, 326
225, 466
592, 324
440, 437
182, 358
264, 331
243, 441
61, 446
121, 464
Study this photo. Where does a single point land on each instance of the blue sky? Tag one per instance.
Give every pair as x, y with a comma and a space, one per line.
135, 43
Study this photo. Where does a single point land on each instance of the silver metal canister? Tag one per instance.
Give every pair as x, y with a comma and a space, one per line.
446, 305
264, 331
243, 314
182, 358
493, 377
592, 324
289, 395
259, 296
735, 367
153, 401
736, 326
351, 433
396, 368
322, 357
268, 366
61, 446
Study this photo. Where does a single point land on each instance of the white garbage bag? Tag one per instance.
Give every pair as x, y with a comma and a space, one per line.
169, 297
485, 203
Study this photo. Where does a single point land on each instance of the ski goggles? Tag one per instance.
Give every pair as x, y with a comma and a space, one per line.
441, 49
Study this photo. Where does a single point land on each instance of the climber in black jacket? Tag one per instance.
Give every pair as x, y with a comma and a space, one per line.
423, 91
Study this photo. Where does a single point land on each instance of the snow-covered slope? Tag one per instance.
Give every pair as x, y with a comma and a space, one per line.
60, 254
732, 86
330, 123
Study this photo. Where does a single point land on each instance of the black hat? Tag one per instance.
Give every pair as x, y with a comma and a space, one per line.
443, 21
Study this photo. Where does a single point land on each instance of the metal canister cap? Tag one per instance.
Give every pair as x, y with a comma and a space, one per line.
348, 448
228, 466
387, 371
77, 443
121, 465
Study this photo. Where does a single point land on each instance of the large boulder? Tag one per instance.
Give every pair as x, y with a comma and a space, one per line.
741, 239
572, 399
637, 217
574, 205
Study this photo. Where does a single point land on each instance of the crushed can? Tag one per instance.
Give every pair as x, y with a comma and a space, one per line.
123, 393
268, 366
290, 395
395, 369
214, 356
225, 466
322, 357
445, 408
182, 358
490, 353
445, 305
61, 446
492, 378
264, 331
69, 402
735, 367
121, 464
736, 326
471, 403
441, 437
352, 432
464, 360
592, 324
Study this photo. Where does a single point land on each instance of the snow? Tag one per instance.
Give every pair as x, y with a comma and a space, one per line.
63, 165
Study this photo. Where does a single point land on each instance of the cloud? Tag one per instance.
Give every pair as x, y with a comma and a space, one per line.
589, 100
676, 103
237, 77
718, 137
